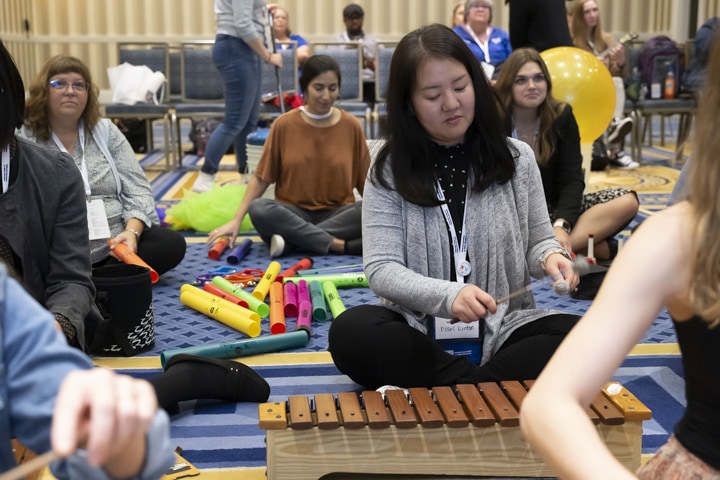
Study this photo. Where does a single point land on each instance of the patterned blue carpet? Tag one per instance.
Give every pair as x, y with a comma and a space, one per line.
226, 436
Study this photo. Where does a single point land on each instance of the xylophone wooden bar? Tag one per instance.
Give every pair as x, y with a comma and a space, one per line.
462, 430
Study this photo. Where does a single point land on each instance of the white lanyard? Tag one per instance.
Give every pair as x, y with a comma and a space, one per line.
5, 169
83, 164
462, 266
483, 45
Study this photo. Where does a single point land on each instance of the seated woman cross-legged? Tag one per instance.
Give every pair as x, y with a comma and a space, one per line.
316, 156
63, 113
549, 127
453, 218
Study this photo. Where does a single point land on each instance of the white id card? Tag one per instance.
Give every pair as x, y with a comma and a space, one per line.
97, 220
444, 330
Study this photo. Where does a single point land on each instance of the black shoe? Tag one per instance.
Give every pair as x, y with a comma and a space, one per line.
190, 377
619, 129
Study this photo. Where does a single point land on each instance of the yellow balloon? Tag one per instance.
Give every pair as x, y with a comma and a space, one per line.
584, 82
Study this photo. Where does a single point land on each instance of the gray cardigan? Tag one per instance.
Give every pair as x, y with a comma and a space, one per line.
407, 254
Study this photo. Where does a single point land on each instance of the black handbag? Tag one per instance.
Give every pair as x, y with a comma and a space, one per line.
124, 297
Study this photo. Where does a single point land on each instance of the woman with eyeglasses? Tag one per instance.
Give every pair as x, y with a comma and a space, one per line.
533, 116
491, 45
62, 113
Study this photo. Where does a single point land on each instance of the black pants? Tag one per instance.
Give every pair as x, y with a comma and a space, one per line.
161, 248
375, 346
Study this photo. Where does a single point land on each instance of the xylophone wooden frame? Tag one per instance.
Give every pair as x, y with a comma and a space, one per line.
310, 451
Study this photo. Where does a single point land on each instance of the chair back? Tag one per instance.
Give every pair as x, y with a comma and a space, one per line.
287, 75
200, 80
350, 57
383, 57
154, 55
175, 75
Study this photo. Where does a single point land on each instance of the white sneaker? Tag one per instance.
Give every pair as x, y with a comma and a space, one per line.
385, 388
623, 161
619, 129
277, 246
204, 182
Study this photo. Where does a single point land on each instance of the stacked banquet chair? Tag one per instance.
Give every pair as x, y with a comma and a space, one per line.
156, 57
644, 108
288, 78
383, 57
201, 88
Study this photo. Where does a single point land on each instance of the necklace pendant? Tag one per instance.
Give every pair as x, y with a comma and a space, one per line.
464, 268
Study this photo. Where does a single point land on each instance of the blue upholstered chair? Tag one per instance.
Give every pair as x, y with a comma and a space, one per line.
350, 59
154, 56
288, 78
201, 88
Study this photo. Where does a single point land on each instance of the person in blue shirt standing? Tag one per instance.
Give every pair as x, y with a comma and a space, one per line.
491, 45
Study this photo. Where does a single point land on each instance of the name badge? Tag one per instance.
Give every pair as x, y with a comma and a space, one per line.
98, 225
444, 330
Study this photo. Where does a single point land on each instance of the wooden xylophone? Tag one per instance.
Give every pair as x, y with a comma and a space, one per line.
461, 430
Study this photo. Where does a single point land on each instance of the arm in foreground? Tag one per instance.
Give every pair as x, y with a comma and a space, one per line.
635, 289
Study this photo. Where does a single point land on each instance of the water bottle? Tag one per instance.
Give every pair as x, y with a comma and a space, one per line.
633, 89
669, 91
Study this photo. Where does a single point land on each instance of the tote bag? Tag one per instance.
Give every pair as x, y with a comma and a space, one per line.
124, 297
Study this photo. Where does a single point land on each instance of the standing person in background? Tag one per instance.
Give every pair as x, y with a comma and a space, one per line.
458, 15
316, 155
284, 36
587, 34
490, 45
453, 218
353, 17
539, 24
637, 287
535, 117
63, 113
239, 48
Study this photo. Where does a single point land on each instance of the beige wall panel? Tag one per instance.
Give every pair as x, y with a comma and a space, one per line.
90, 29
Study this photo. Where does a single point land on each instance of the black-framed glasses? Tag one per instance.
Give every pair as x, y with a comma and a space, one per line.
64, 84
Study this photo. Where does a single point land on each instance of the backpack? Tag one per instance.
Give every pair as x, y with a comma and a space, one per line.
657, 57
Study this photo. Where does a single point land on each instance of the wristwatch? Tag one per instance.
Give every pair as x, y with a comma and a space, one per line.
564, 224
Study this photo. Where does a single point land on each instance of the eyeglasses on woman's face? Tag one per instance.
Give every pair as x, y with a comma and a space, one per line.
481, 6
62, 85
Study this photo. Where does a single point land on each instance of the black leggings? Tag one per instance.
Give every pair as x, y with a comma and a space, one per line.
375, 346
161, 248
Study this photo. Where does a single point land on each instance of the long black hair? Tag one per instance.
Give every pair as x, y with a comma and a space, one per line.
409, 148
317, 65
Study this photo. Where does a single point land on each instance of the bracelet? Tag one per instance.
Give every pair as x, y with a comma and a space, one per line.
132, 230
560, 251
564, 224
